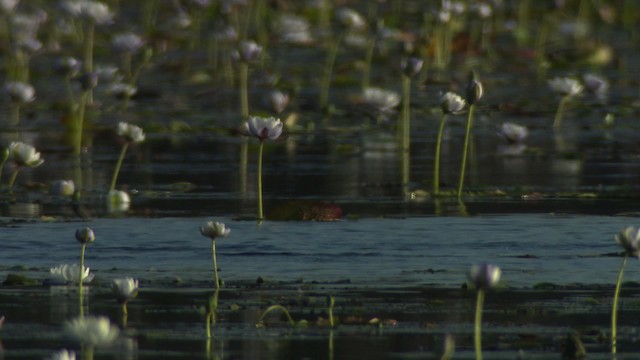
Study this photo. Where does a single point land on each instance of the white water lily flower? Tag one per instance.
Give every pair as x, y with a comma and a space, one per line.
91, 330
96, 11
24, 155
278, 100
513, 133
69, 273
264, 128
484, 276
131, 133
214, 229
19, 92
629, 239
63, 355
381, 99
125, 289
451, 103
118, 201
127, 42
351, 19
565, 86
121, 90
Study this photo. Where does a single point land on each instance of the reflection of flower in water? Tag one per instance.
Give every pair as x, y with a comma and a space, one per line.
69, 274
92, 331
511, 149
118, 201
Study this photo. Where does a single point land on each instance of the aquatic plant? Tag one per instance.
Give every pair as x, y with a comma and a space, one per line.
483, 277
132, 134
596, 85
278, 101
450, 103
85, 236
411, 66
22, 155
629, 239
214, 230
212, 310
474, 93
567, 88
262, 129
124, 289
383, 102
118, 201
62, 355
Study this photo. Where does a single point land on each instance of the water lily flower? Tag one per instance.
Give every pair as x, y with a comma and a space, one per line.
62, 188
118, 201
19, 92
95, 11
127, 42
63, 355
474, 90
565, 86
121, 90
596, 85
248, 51
214, 229
278, 100
7, 6
85, 235
451, 103
124, 289
70, 273
484, 276
473, 95
629, 239
382, 100
293, 29
131, 133
513, 133
263, 128
91, 330
24, 155
351, 19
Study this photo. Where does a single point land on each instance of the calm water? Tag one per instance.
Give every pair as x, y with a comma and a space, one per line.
531, 248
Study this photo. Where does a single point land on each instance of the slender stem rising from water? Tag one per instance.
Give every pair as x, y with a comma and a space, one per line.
465, 151
614, 311
478, 325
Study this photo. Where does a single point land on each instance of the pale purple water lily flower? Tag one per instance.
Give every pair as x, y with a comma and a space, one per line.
263, 128
248, 51
595, 85
278, 100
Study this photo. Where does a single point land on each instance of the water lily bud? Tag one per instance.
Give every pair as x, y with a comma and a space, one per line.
474, 89
411, 66
248, 51
484, 276
63, 188
214, 229
565, 86
278, 100
88, 81
67, 66
85, 236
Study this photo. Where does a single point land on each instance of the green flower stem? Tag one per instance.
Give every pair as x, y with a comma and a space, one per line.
118, 165
244, 92
331, 346
366, 71
260, 212
330, 61
208, 325
436, 165
614, 311
211, 314
406, 131
88, 352
332, 302
557, 121
12, 179
215, 263
277, 307
88, 52
125, 312
465, 151
124, 315
80, 273
79, 123
477, 334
